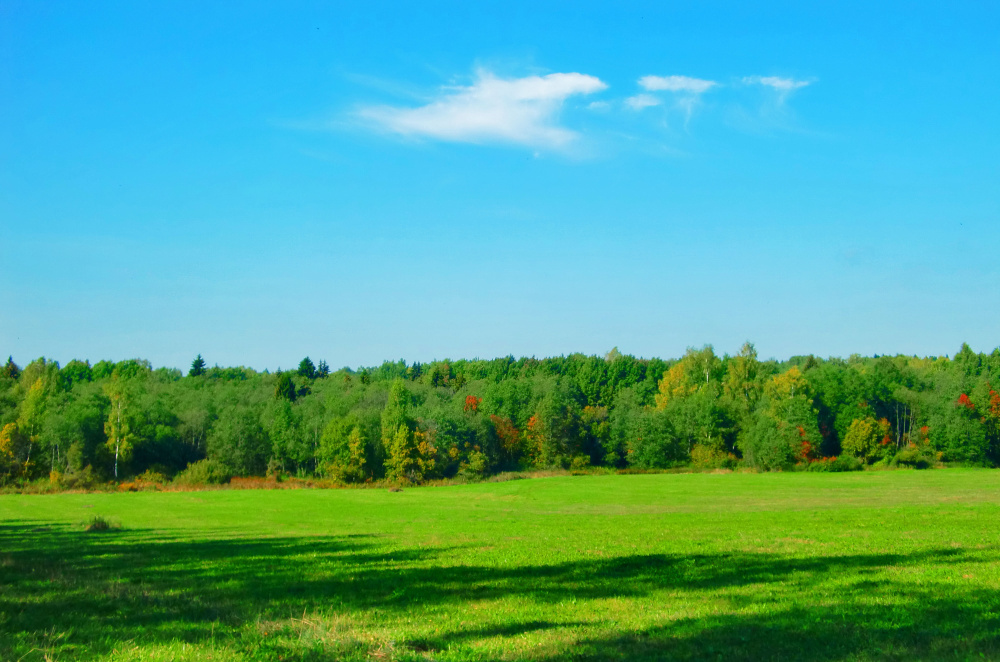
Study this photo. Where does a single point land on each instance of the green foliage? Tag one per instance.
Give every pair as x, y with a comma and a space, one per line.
554, 432
84, 479
402, 460
11, 369
204, 472
868, 439
284, 388
617, 411
197, 367
76, 372
652, 441
306, 369
121, 394
918, 457
768, 443
344, 452
396, 411
835, 464
238, 441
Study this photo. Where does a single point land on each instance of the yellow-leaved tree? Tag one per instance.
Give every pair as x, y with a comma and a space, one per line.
11, 443
118, 427
29, 420
867, 439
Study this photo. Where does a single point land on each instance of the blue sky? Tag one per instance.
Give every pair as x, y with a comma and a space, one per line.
367, 181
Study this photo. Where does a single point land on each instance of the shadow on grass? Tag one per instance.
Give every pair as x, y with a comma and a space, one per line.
96, 591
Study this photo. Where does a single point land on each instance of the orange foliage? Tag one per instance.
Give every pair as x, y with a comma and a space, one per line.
510, 436
472, 403
994, 404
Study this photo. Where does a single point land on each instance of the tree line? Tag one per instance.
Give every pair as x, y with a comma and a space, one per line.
416, 422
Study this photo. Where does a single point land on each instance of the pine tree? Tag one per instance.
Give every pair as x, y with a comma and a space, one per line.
11, 369
307, 369
285, 388
197, 367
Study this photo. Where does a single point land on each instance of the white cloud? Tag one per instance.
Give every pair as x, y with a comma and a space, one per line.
640, 101
676, 84
783, 85
518, 110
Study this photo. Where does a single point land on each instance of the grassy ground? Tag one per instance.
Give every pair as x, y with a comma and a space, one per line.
867, 566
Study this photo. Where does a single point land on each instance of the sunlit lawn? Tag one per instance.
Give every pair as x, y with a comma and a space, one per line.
878, 565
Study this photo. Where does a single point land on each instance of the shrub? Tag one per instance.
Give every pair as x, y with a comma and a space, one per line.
148, 481
476, 467
846, 463
152, 477
275, 470
77, 480
918, 457
98, 524
835, 464
205, 472
705, 457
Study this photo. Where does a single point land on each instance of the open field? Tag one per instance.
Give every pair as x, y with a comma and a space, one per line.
868, 566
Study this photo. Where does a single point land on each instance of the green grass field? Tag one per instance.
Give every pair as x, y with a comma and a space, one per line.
863, 566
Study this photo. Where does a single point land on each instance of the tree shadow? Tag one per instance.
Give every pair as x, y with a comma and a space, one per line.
150, 587
924, 627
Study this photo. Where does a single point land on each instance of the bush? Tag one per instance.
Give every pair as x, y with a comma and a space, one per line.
846, 463
77, 480
835, 464
145, 482
476, 467
705, 457
98, 524
916, 456
205, 472
152, 477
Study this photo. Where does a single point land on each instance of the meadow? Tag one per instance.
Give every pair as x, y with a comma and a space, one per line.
890, 565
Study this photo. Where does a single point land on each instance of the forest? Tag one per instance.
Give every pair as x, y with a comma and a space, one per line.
79, 425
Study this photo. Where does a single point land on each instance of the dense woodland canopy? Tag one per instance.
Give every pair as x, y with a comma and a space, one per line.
471, 418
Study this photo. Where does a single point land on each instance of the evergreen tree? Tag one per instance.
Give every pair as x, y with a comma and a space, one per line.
11, 369
306, 368
197, 367
285, 387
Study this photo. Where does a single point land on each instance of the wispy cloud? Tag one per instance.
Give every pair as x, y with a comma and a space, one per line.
676, 84
640, 101
781, 86
685, 92
521, 111
776, 82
